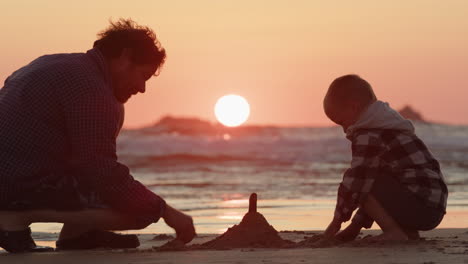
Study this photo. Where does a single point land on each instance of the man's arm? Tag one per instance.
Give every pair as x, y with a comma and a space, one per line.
182, 224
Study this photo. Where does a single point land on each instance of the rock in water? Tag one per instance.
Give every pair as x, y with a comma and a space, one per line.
253, 231
409, 113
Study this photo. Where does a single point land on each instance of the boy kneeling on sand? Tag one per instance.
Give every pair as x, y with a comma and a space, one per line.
394, 180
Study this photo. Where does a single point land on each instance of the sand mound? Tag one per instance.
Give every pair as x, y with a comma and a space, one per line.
254, 231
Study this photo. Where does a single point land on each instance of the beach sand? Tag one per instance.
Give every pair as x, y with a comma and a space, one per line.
438, 246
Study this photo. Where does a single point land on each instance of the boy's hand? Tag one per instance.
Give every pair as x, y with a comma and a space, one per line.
349, 233
332, 229
182, 223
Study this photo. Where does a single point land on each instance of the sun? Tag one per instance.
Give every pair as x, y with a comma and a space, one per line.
232, 110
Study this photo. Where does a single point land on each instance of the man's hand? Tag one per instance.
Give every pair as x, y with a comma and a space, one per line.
332, 229
182, 224
349, 233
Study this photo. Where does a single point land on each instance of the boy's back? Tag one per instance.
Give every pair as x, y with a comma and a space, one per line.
384, 143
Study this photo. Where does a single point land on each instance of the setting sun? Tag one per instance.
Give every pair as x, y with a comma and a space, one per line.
232, 110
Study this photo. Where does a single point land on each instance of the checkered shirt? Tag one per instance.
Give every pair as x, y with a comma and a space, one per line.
59, 117
400, 154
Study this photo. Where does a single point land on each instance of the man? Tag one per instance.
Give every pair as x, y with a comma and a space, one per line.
59, 119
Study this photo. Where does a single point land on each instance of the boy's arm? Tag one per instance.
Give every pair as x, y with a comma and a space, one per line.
332, 228
362, 219
357, 180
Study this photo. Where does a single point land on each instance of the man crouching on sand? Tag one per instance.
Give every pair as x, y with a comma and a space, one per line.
59, 119
394, 180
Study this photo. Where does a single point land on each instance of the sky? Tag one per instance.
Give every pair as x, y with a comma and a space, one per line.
280, 55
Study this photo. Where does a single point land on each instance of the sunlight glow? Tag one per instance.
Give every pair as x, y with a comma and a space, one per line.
232, 110
231, 216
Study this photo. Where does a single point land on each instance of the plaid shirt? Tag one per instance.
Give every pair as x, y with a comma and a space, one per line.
59, 117
382, 151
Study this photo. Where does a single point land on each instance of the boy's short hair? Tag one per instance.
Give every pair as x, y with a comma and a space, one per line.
127, 34
349, 88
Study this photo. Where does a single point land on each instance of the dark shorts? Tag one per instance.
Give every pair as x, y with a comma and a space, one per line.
65, 194
408, 210
61, 194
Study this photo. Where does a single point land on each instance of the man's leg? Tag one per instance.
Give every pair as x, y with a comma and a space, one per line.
391, 229
79, 222
13, 220
75, 222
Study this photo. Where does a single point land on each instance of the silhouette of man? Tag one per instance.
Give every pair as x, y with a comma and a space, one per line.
60, 116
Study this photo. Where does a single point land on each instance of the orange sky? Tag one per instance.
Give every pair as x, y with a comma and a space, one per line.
279, 55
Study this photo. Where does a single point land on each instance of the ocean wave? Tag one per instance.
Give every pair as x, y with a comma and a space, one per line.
190, 184
200, 141
241, 206
190, 159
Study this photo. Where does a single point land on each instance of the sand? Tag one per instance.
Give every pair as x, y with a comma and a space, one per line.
439, 246
254, 240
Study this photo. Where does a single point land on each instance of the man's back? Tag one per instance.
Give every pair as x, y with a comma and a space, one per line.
35, 106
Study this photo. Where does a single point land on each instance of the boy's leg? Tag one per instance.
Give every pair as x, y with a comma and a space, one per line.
391, 229
391, 204
412, 234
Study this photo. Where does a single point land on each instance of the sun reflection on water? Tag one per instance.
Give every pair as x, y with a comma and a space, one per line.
230, 216
235, 202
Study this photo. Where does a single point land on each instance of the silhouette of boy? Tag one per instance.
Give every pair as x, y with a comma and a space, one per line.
393, 180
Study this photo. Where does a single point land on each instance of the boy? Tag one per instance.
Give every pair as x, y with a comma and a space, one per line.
394, 180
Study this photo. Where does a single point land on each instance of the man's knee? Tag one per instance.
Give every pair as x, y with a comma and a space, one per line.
109, 219
139, 222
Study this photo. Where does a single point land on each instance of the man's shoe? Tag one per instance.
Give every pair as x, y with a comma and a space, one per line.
20, 242
98, 239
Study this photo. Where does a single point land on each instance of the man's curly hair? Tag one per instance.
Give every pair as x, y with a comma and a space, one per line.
141, 40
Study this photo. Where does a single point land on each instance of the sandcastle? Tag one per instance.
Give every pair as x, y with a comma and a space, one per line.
253, 231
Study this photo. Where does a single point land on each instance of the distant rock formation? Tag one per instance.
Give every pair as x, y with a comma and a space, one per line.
409, 113
184, 125
199, 127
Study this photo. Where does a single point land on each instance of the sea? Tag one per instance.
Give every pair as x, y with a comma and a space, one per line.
208, 171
